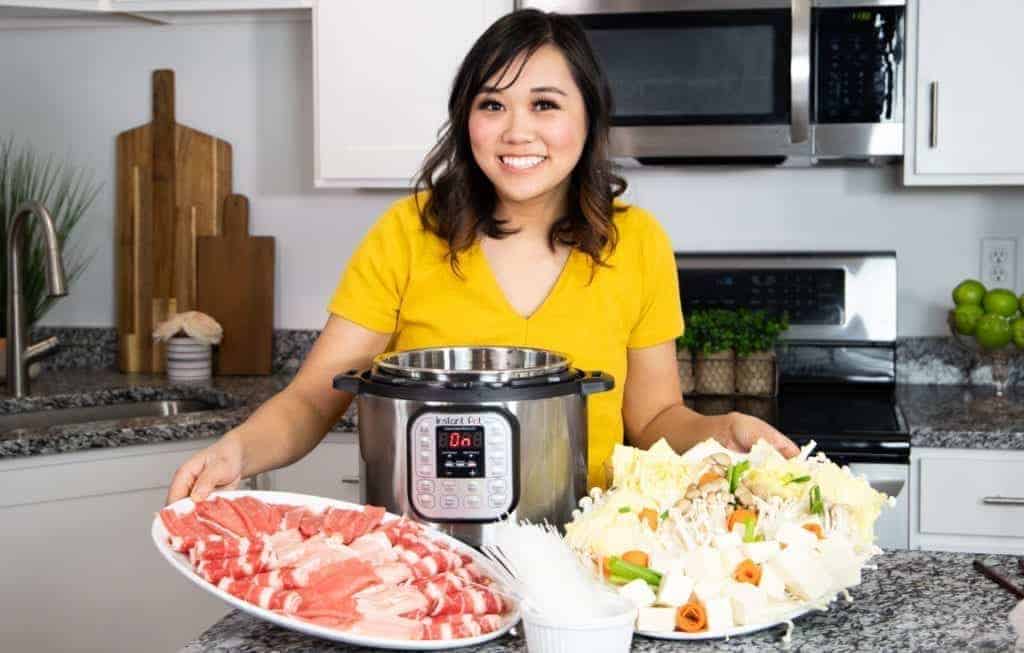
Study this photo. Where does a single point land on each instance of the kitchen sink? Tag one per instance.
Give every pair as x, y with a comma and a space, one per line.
82, 414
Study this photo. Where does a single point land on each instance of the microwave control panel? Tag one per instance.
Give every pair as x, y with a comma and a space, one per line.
462, 465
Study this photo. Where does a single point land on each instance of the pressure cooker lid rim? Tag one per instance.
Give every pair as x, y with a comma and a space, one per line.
473, 364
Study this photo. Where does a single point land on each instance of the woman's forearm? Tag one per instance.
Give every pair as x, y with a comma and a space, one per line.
680, 426
282, 430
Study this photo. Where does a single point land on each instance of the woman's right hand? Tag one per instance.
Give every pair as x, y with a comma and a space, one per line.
217, 467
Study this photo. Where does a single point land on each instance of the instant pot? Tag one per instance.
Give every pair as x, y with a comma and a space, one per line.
461, 437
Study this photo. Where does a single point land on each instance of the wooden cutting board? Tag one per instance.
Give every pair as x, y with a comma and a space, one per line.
236, 287
171, 185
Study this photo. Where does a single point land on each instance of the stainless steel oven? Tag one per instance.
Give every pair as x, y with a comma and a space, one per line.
762, 80
837, 361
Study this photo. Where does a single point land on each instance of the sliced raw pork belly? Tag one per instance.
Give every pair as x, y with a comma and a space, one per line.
184, 529
221, 515
351, 524
458, 626
259, 517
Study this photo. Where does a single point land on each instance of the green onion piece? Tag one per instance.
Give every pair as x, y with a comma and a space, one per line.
618, 580
736, 473
624, 509
748, 530
798, 479
664, 514
629, 571
817, 505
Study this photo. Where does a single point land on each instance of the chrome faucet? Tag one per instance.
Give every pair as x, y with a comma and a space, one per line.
18, 355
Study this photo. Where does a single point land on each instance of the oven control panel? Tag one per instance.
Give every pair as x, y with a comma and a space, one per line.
462, 465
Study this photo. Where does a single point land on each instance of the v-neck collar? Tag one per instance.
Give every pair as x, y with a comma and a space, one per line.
487, 272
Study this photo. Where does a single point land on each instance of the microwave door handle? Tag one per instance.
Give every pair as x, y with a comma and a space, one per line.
800, 71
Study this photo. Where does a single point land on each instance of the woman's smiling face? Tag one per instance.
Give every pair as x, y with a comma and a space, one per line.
527, 138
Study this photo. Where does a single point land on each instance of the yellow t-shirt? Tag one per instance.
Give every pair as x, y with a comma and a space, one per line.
399, 281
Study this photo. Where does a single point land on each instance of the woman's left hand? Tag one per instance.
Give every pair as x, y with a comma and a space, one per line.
742, 431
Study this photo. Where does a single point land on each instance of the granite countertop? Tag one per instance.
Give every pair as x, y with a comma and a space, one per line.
232, 399
913, 601
962, 417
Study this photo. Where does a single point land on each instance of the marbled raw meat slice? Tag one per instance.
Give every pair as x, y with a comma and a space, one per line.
220, 514
258, 516
459, 626
469, 600
292, 518
392, 600
248, 565
351, 524
312, 523
216, 547
386, 627
374, 547
348, 577
183, 530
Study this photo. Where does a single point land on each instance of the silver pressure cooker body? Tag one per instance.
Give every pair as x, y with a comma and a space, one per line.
461, 437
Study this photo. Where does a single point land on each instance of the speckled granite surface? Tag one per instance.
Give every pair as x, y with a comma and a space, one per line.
961, 417
231, 400
914, 601
940, 360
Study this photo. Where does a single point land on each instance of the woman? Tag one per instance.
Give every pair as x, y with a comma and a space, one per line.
515, 238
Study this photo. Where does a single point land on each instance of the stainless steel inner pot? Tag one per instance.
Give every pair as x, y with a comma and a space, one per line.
460, 437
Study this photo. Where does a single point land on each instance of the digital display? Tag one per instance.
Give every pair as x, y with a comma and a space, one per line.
460, 451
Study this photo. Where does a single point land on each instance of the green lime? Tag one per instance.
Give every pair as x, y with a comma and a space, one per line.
993, 331
1022, 303
970, 291
1000, 301
1017, 328
966, 318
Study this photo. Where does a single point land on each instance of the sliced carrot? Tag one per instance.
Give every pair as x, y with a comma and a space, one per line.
691, 617
816, 529
605, 569
649, 516
739, 516
708, 477
748, 571
638, 558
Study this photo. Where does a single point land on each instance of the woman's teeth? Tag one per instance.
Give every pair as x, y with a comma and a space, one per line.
522, 162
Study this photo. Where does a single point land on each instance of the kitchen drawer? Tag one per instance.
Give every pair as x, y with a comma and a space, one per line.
972, 497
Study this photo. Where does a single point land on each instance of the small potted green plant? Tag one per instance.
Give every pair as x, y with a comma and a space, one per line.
684, 357
756, 333
711, 332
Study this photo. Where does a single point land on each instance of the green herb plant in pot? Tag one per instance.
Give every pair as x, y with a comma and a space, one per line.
754, 342
684, 357
66, 192
712, 332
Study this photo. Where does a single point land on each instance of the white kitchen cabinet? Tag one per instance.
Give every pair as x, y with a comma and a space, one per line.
382, 72
109, 6
331, 470
967, 500
965, 88
80, 570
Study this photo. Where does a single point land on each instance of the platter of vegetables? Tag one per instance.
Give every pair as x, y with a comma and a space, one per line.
714, 543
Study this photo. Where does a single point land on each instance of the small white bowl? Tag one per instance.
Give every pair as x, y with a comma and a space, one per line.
606, 635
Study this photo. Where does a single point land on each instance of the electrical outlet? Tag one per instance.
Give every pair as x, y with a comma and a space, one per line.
999, 262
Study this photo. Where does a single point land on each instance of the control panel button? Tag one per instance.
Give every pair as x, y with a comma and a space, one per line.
448, 486
424, 456
449, 501
498, 500
472, 502
425, 442
426, 500
425, 487
425, 470
496, 486
472, 487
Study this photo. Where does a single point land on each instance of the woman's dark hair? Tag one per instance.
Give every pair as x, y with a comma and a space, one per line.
462, 200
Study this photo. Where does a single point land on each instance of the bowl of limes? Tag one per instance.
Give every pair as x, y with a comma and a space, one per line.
990, 323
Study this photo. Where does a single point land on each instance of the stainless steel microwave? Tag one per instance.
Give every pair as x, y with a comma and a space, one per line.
760, 80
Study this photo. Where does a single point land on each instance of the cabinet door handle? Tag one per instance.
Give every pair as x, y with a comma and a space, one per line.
933, 139
350, 481
1003, 501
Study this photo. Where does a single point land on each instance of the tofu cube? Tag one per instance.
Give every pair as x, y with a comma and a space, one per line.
666, 563
656, 619
802, 571
729, 540
676, 588
760, 552
748, 603
705, 564
731, 558
772, 584
719, 613
707, 590
841, 561
796, 537
638, 592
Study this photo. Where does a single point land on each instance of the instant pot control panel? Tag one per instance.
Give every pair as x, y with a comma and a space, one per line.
463, 464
